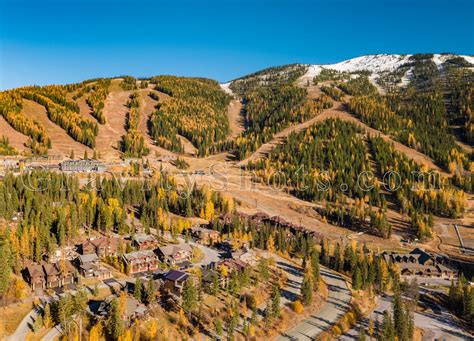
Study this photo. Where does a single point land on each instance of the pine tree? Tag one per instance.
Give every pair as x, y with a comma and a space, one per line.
316, 269
268, 315
5, 265
387, 332
275, 307
47, 319
218, 326
114, 323
215, 284
150, 292
307, 290
357, 279
361, 336
137, 290
190, 296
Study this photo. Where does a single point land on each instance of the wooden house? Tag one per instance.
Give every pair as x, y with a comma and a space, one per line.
173, 254
141, 261
35, 276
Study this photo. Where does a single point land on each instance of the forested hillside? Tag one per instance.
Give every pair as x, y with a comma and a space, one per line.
197, 111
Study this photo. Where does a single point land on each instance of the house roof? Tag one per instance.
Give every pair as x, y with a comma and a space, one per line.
99, 241
35, 270
139, 254
175, 275
208, 275
170, 250
88, 258
142, 238
51, 269
88, 266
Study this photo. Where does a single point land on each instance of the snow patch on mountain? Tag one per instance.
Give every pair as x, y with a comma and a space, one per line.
226, 88
469, 59
374, 63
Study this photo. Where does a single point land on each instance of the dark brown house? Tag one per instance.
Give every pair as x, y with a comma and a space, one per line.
421, 263
174, 281
103, 246
58, 275
35, 276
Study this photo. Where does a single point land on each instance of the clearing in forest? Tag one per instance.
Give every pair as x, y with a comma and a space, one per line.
61, 142
17, 139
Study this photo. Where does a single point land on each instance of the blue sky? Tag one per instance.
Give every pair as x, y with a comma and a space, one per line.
44, 42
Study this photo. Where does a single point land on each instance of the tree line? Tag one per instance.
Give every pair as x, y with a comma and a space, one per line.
269, 110
97, 95
11, 106
197, 111
133, 142
80, 129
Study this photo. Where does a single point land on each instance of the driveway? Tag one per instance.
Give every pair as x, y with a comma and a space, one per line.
209, 254
337, 304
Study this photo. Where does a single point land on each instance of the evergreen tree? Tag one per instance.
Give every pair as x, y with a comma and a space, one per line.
361, 336
150, 292
114, 323
357, 279
190, 296
138, 289
275, 306
5, 265
307, 290
316, 269
387, 332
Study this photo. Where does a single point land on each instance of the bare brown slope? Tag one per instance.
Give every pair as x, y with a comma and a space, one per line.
110, 133
236, 119
84, 108
62, 143
17, 139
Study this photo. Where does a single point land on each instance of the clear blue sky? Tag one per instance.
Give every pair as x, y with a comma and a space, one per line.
43, 42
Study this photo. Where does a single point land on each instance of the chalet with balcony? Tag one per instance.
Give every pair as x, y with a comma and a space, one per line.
144, 241
421, 263
35, 276
141, 261
58, 275
174, 254
103, 246
205, 236
133, 309
89, 266
174, 281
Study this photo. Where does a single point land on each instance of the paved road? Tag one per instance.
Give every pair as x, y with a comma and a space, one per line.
437, 324
25, 325
54, 333
209, 254
337, 304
